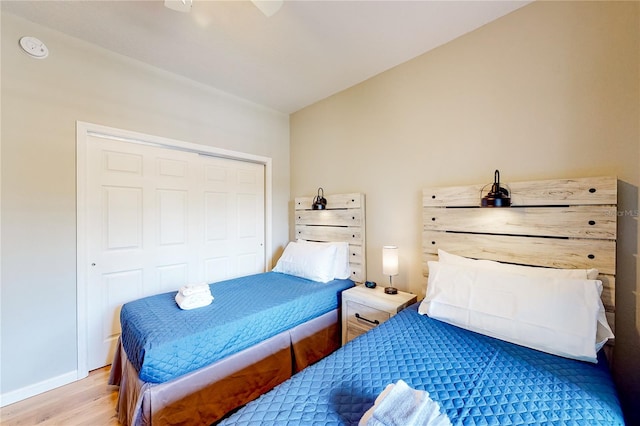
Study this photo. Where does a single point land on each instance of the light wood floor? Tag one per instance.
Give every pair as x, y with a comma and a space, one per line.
88, 401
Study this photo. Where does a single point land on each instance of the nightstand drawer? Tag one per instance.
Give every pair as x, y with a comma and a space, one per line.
364, 316
353, 331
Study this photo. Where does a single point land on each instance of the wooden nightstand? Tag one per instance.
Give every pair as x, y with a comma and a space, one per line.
365, 308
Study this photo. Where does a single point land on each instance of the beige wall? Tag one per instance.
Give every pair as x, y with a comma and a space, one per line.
549, 91
41, 102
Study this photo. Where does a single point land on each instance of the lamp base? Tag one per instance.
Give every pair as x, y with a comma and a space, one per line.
391, 290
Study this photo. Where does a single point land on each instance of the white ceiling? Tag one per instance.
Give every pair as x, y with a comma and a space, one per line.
307, 51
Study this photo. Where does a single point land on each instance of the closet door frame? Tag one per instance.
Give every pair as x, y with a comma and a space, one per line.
83, 131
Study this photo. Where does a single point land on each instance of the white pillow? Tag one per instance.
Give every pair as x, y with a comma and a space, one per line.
588, 274
554, 315
604, 332
341, 267
308, 261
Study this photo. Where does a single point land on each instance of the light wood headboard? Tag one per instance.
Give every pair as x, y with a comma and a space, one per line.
560, 223
342, 220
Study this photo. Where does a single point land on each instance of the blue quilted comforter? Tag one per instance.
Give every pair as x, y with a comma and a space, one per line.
164, 342
477, 380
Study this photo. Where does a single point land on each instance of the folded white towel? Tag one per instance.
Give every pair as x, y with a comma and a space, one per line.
196, 300
400, 405
188, 290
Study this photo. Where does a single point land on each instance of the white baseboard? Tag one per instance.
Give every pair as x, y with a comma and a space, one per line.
37, 388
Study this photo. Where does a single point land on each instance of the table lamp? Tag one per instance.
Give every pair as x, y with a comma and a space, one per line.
390, 266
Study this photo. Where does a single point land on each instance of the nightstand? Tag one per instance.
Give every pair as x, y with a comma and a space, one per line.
365, 308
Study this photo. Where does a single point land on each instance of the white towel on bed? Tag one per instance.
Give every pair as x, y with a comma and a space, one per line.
196, 300
188, 290
400, 405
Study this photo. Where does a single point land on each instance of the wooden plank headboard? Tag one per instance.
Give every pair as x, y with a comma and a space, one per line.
560, 223
342, 220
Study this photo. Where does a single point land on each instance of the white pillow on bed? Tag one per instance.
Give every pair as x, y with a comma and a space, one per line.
551, 314
589, 274
309, 261
341, 267
604, 332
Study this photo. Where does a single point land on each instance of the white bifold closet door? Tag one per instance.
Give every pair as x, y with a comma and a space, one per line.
160, 218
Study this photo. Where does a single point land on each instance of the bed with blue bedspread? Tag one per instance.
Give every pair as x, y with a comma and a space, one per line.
476, 380
255, 330
164, 342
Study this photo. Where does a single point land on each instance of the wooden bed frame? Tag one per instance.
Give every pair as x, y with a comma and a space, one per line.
208, 394
559, 223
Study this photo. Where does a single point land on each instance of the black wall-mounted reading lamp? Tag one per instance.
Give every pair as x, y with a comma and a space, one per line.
498, 196
319, 202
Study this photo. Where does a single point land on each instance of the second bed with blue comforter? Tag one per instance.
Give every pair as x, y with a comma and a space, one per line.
476, 379
164, 342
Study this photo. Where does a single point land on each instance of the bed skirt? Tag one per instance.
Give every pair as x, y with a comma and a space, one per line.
208, 394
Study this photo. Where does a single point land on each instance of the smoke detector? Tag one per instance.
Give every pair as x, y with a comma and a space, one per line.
34, 47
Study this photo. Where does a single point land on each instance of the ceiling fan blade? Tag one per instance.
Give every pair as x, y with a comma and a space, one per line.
268, 7
179, 5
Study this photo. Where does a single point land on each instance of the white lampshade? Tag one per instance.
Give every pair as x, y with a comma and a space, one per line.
390, 260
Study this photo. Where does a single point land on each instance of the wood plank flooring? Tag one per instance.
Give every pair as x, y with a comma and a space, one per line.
90, 401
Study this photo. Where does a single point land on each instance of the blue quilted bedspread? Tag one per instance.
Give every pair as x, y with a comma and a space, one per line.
477, 380
164, 342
